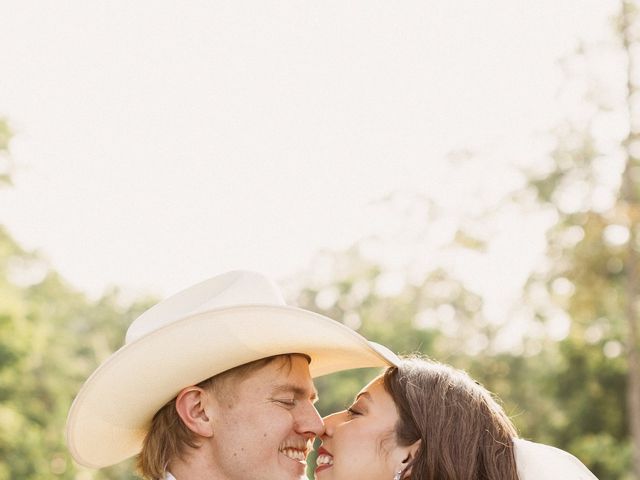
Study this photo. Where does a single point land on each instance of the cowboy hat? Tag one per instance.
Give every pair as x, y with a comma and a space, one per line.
226, 321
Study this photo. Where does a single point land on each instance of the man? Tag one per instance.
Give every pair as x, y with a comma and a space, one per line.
215, 383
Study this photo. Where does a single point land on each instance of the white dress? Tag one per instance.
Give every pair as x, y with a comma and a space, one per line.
536, 461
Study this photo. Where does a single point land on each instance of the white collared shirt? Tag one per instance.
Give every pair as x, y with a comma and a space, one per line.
168, 476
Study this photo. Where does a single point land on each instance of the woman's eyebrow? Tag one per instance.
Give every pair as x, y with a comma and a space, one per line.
366, 395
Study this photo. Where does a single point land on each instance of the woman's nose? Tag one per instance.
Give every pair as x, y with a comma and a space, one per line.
330, 421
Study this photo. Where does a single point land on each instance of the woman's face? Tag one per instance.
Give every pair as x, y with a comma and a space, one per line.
360, 442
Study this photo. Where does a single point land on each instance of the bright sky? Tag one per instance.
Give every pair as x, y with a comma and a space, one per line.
159, 142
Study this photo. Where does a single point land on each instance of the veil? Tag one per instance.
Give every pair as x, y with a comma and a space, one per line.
536, 461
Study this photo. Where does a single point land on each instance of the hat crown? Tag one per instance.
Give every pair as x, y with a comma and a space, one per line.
239, 287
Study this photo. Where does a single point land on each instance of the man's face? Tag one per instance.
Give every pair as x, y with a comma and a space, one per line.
265, 424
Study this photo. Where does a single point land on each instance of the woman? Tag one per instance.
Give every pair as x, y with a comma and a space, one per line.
424, 420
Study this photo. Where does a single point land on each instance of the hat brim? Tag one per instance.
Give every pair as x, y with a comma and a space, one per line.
110, 415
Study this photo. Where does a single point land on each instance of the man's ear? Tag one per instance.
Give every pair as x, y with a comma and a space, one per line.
192, 406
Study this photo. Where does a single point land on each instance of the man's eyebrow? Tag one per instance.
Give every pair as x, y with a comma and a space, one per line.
296, 390
366, 395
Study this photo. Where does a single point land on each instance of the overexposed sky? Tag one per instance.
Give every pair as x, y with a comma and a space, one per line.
160, 142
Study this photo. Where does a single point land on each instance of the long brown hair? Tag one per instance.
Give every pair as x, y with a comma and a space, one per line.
464, 433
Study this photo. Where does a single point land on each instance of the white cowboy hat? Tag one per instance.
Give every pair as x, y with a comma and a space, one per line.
229, 320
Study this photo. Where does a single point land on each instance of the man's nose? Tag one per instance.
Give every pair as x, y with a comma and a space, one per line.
310, 422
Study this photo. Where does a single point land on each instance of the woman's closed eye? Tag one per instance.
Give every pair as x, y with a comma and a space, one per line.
353, 411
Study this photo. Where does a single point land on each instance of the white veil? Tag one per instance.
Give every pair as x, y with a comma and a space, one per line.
536, 461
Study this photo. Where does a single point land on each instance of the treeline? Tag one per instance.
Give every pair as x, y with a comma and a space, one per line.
51, 338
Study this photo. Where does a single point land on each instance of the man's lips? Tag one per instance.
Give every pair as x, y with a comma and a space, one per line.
296, 449
294, 454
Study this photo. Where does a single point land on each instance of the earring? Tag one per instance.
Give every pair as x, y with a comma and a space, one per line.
398, 475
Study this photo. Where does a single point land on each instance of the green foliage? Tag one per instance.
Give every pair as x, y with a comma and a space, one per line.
51, 338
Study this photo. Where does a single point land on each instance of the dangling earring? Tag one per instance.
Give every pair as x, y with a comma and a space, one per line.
398, 475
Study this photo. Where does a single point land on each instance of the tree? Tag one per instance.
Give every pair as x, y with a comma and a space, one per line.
51, 338
630, 204
592, 187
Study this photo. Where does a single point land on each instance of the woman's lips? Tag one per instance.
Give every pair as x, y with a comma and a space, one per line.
324, 460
